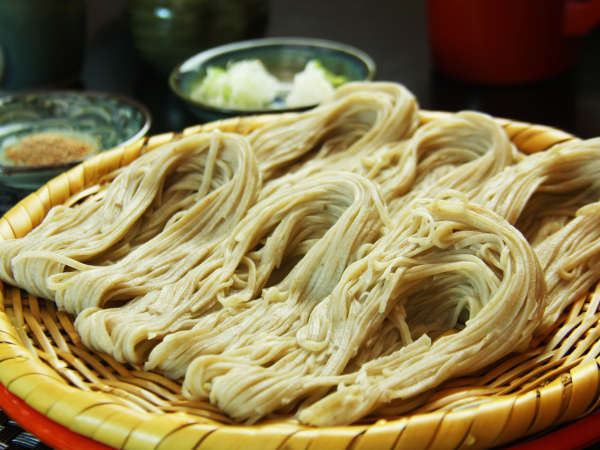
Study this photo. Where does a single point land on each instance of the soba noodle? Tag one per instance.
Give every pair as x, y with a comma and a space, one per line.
329, 263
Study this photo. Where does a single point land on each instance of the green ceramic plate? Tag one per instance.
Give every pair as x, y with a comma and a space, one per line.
102, 120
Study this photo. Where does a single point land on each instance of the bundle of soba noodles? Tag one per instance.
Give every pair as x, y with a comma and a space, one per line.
327, 264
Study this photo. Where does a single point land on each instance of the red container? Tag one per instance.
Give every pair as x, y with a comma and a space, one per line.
507, 41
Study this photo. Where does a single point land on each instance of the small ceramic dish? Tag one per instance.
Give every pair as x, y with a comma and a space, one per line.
44, 133
281, 57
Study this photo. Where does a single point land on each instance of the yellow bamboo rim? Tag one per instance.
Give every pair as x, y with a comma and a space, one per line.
43, 362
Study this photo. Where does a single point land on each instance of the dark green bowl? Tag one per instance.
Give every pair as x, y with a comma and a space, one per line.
283, 57
108, 120
166, 32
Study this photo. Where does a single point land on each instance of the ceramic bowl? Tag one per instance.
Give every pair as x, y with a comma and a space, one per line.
166, 32
99, 120
282, 57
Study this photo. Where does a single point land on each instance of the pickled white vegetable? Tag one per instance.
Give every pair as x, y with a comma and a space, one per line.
245, 85
310, 86
248, 85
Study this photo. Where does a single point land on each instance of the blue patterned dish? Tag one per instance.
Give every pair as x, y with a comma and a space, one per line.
100, 120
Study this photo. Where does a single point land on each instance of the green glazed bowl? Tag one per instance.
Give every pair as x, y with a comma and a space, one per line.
166, 32
106, 120
283, 57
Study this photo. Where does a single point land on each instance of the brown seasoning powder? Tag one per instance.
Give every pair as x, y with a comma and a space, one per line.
47, 148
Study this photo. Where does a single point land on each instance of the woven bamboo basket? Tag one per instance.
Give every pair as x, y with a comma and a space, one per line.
43, 362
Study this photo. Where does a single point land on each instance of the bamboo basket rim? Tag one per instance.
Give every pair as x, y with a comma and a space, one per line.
558, 395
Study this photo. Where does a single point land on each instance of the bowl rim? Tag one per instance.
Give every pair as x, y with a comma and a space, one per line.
200, 58
147, 121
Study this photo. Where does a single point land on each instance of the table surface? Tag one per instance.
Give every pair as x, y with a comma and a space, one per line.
394, 33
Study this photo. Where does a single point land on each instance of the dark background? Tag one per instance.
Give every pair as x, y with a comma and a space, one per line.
394, 33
